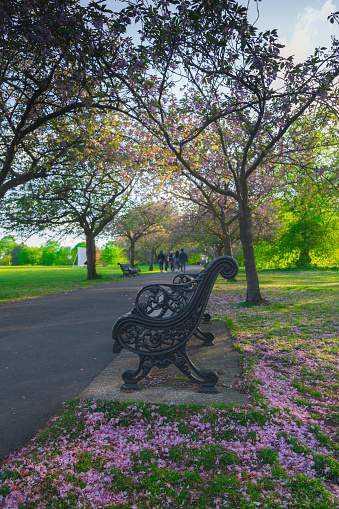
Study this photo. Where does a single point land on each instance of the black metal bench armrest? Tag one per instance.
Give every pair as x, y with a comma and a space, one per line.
133, 271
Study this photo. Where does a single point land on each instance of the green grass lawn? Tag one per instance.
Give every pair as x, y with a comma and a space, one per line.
24, 282
282, 451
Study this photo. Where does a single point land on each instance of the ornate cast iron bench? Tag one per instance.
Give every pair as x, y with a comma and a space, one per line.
128, 269
163, 319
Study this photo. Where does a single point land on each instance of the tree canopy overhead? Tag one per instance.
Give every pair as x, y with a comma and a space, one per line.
85, 191
47, 70
235, 86
215, 93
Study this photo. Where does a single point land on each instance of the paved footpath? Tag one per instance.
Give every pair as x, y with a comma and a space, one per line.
58, 347
51, 348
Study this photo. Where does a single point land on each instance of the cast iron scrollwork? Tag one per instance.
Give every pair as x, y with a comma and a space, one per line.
206, 379
164, 318
162, 300
183, 278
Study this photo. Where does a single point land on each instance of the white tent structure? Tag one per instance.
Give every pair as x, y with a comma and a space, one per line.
80, 258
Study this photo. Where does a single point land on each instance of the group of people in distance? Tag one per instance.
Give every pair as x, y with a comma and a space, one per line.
173, 261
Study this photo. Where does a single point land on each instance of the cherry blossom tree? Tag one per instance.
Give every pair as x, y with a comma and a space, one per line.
214, 214
47, 71
235, 85
140, 221
85, 194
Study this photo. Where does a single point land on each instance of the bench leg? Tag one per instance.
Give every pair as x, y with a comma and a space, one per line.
205, 379
131, 378
206, 337
206, 318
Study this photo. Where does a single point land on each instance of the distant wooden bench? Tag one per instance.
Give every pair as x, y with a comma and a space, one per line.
128, 269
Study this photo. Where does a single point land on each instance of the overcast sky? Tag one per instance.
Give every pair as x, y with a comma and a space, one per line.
302, 26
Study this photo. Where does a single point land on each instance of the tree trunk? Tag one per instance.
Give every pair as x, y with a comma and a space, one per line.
91, 257
304, 258
253, 295
132, 253
227, 244
227, 247
218, 248
152, 259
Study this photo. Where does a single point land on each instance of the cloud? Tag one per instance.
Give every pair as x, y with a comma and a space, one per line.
311, 30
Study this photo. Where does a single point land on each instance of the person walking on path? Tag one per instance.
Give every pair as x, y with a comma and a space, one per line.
176, 261
182, 260
161, 259
167, 255
171, 260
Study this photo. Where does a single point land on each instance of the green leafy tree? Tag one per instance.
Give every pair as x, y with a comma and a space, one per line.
307, 194
30, 256
311, 231
112, 254
7, 244
15, 253
49, 252
6, 260
64, 256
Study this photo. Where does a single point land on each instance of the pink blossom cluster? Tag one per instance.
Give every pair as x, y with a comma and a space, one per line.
114, 444
289, 355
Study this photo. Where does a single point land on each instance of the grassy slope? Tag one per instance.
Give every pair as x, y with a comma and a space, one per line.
282, 452
24, 282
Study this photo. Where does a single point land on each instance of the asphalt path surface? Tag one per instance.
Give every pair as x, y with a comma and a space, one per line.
51, 348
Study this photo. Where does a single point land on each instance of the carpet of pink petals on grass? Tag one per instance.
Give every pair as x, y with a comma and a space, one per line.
282, 451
